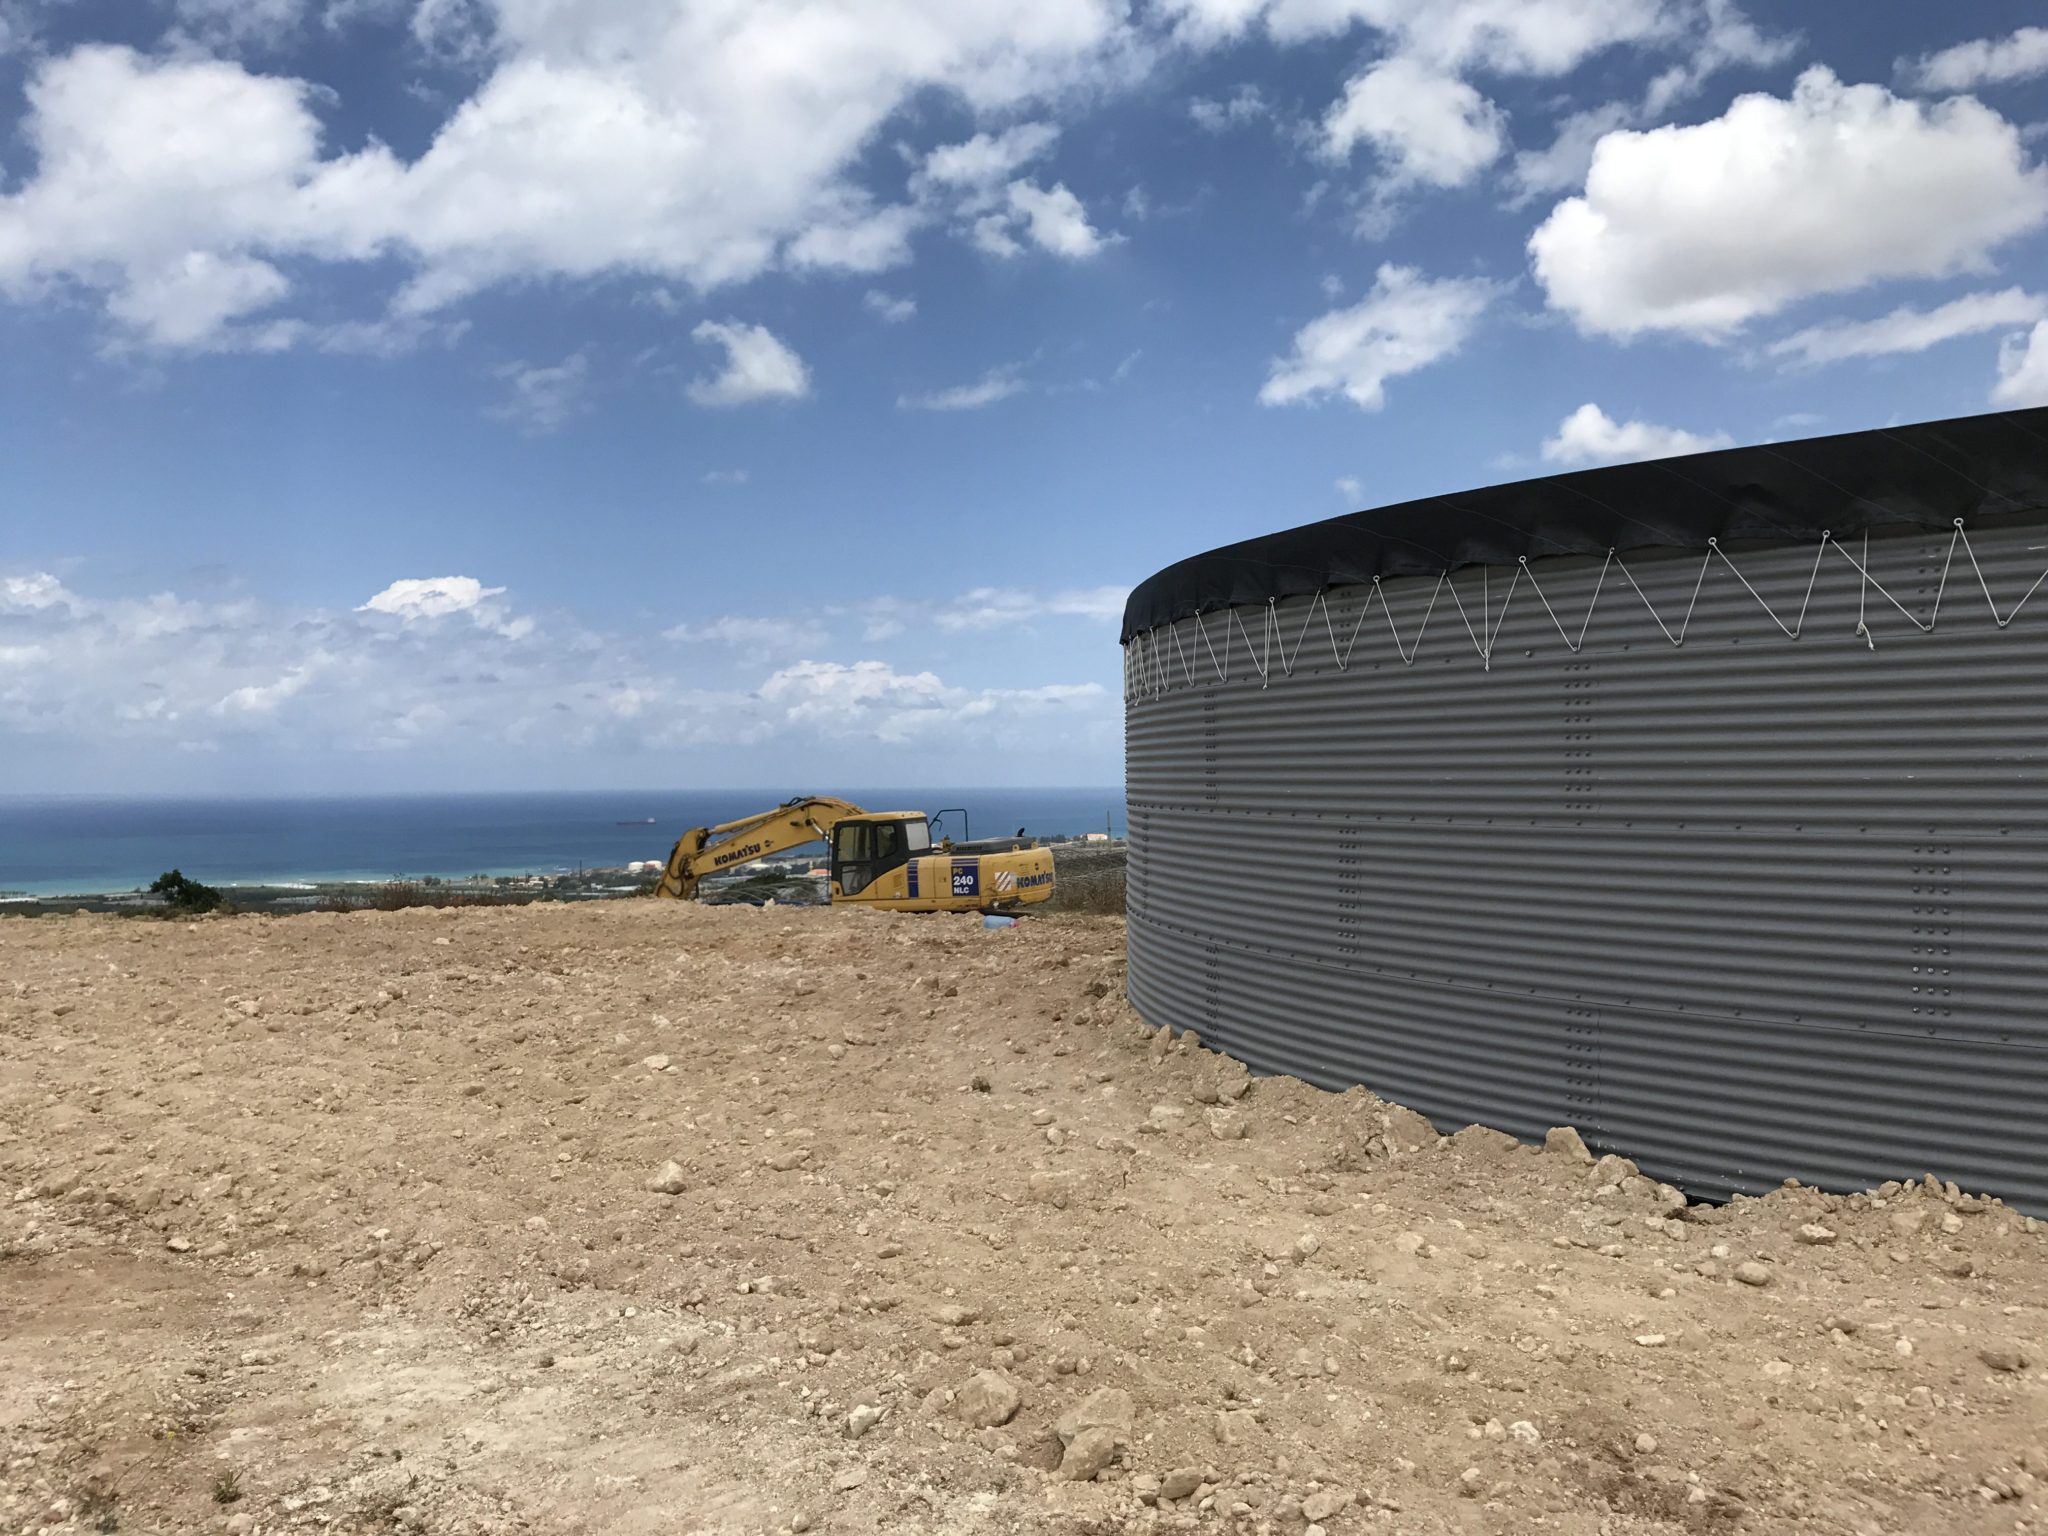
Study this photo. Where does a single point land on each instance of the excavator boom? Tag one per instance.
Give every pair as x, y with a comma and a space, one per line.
708, 850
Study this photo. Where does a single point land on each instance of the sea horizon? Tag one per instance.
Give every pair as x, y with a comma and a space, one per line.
87, 843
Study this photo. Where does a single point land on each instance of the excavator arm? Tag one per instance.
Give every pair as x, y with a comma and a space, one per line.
707, 850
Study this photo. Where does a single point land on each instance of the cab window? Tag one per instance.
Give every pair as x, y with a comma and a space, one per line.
852, 855
889, 850
865, 851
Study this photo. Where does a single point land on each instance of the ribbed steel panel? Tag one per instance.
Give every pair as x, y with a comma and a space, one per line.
1747, 907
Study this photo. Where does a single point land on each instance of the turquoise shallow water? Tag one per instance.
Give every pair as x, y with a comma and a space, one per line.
62, 846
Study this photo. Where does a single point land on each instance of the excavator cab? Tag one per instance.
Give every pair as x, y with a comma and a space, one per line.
864, 850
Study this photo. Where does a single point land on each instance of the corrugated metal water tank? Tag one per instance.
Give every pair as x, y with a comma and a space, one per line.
1724, 857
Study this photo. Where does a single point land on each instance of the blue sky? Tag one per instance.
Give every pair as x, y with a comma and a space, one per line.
516, 393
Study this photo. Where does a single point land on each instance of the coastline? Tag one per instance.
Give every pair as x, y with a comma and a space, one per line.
354, 894
85, 848
1090, 879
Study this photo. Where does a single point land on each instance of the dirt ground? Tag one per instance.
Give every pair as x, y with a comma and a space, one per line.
343, 1223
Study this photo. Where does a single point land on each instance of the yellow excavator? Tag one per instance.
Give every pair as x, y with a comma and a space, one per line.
884, 859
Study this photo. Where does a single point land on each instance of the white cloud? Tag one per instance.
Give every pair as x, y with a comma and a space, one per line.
1986, 61
867, 697
1566, 159
189, 301
1532, 37
240, 672
1521, 37
263, 698
1055, 220
1406, 322
999, 212
457, 33
95, 678
884, 618
1051, 218
754, 636
431, 597
872, 699
1242, 106
981, 164
158, 181
34, 592
888, 307
982, 609
419, 600
1716, 36
758, 366
699, 144
1427, 127
1590, 436
14, 27
2023, 369
997, 384
1350, 489
242, 23
857, 238
1415, 104
543, 398
1010, 607
724, 477
1703, 228
991, 233
1907, 329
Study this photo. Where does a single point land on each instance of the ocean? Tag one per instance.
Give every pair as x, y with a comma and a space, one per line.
52, 846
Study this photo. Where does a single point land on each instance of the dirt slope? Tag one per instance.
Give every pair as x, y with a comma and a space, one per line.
342, 1223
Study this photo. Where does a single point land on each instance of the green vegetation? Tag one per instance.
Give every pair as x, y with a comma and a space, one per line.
184, 895
427, 891
100, 1509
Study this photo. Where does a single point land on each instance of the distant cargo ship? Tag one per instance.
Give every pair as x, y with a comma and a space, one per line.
644, 821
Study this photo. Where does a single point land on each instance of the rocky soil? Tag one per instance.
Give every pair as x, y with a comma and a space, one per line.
641, 1217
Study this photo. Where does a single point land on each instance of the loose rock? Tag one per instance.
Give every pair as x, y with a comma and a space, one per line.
1180, 1482
1087, 1454
1226, 1125
1110, 1408
989, 1398
1235, 1425
1612, 1170
1566, 1141
1327, 1504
